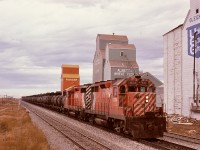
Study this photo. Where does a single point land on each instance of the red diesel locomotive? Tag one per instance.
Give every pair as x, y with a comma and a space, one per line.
125, 105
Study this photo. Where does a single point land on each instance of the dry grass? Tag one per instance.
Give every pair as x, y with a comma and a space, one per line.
17, 132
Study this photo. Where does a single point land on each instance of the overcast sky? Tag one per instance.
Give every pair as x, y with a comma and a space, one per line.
38, 36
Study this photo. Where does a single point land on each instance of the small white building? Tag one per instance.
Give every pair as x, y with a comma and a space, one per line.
179, 66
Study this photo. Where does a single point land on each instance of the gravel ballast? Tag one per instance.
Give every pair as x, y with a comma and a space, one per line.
58, 142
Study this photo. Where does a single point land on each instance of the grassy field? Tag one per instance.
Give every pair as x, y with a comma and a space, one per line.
17, 132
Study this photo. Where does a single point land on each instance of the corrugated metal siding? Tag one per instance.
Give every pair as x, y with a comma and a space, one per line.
159, 96
152, 78
103, 43
70, 71
69, 76
107, 71
128, 64
173, 69
69, 82
187, 81
99, 62
121, 46
170, 75
194, 4
111, 72
165, 46
128, 55
177, 70
98, 68
187, 70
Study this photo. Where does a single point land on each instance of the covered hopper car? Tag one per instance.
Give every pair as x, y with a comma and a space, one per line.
125, 105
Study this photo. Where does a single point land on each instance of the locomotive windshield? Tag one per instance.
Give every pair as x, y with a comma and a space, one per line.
143, 89
140, 85
132, 89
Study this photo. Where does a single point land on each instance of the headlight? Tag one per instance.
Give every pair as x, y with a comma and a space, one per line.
147, 99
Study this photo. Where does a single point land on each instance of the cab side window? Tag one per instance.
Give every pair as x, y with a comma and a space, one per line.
114, 91
122, 89
95, 89
151, 89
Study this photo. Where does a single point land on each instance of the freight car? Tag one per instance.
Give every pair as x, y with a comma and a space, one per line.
125, 105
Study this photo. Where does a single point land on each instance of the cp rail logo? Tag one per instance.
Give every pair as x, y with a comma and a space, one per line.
190, 31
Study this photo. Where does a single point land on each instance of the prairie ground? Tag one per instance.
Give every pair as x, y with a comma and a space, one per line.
17, 132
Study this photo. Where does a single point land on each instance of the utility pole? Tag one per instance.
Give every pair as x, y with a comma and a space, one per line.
194, 72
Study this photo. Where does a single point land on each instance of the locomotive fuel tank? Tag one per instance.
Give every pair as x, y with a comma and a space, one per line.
100, 121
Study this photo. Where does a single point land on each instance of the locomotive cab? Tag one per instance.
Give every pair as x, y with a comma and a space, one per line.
141, 118
137, 100
74, 103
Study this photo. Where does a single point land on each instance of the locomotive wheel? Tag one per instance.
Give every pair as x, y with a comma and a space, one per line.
119, 129
79, 116
110, 124
91, 120
133, 135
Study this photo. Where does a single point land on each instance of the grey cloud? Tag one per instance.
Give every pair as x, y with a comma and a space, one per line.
149, 48
4, 45
85, 3
55, 53
12, 78
61, 32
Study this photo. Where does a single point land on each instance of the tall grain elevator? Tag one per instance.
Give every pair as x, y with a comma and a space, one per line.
114, 58
69, 76
182, 65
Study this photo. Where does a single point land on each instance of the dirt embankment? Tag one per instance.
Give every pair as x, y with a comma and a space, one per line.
184, 126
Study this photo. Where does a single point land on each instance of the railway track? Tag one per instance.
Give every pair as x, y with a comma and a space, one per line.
182, 137
85, 142
164, 145
79, 139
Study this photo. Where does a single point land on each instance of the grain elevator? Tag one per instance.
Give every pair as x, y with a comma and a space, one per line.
182, 65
